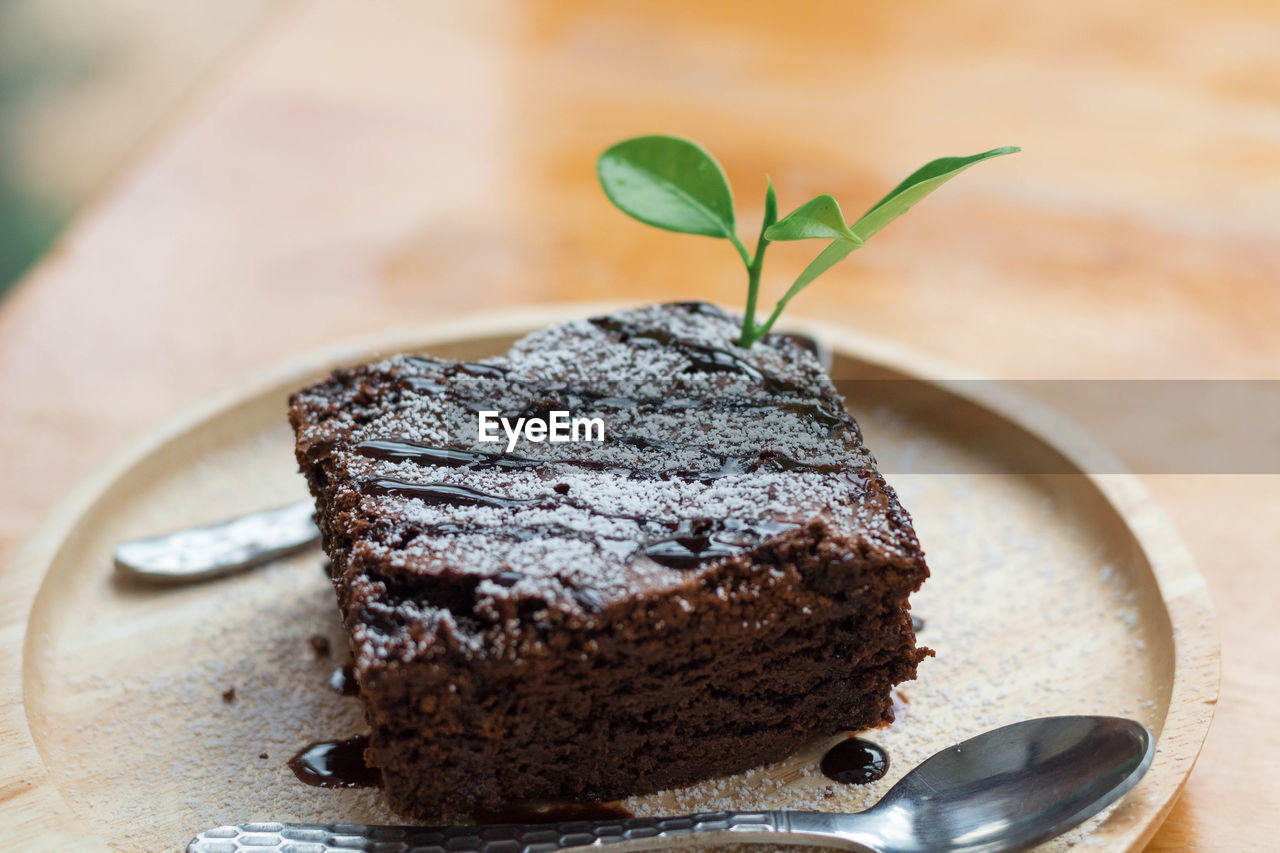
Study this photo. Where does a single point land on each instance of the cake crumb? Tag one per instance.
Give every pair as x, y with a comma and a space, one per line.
229, 695
319, 645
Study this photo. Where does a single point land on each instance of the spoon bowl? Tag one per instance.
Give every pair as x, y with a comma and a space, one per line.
1014, 787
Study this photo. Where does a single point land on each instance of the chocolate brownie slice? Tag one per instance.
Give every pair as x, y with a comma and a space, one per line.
721, 578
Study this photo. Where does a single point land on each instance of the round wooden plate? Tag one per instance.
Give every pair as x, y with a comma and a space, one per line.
133, 717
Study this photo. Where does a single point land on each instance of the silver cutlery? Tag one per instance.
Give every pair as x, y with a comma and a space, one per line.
1005, 790
198, 553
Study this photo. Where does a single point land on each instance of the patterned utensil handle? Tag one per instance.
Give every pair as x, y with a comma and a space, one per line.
642, 833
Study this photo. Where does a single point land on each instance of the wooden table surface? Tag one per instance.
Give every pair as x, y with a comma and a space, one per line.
360, 165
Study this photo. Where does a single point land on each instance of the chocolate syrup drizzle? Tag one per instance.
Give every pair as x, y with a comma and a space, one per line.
688, 543
452, 368
698, 542
691, 542
405, 450
446, 494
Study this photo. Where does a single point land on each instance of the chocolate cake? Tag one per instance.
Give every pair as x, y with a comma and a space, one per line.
722, 578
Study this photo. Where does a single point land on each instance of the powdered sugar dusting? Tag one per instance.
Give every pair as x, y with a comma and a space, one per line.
694, 430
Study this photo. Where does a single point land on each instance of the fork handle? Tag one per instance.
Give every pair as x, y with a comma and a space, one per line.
199, 553
637, 833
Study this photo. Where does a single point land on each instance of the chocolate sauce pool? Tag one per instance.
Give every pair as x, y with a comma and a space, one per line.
340, 764
336, 764
855, 762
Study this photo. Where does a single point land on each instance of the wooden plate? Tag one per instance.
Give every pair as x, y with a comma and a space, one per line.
1051, 594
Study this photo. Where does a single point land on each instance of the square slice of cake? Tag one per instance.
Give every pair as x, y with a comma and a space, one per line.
721, 578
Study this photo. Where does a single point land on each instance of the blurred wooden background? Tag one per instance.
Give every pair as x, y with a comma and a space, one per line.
83, 85
348, 166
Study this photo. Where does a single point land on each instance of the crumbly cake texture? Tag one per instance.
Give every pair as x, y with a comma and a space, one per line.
724, 577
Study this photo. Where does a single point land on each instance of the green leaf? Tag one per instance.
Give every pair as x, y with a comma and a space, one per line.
770, 206
819, 218
919, 184
670, 183
835, 252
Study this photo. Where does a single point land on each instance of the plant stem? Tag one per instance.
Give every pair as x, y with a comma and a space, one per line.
753, 284
749, 331
750, 334
763, 330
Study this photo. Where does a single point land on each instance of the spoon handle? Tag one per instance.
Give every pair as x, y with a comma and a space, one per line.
197, 553
637, 833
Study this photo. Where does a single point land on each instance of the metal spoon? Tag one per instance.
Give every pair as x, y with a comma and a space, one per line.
1006, 790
